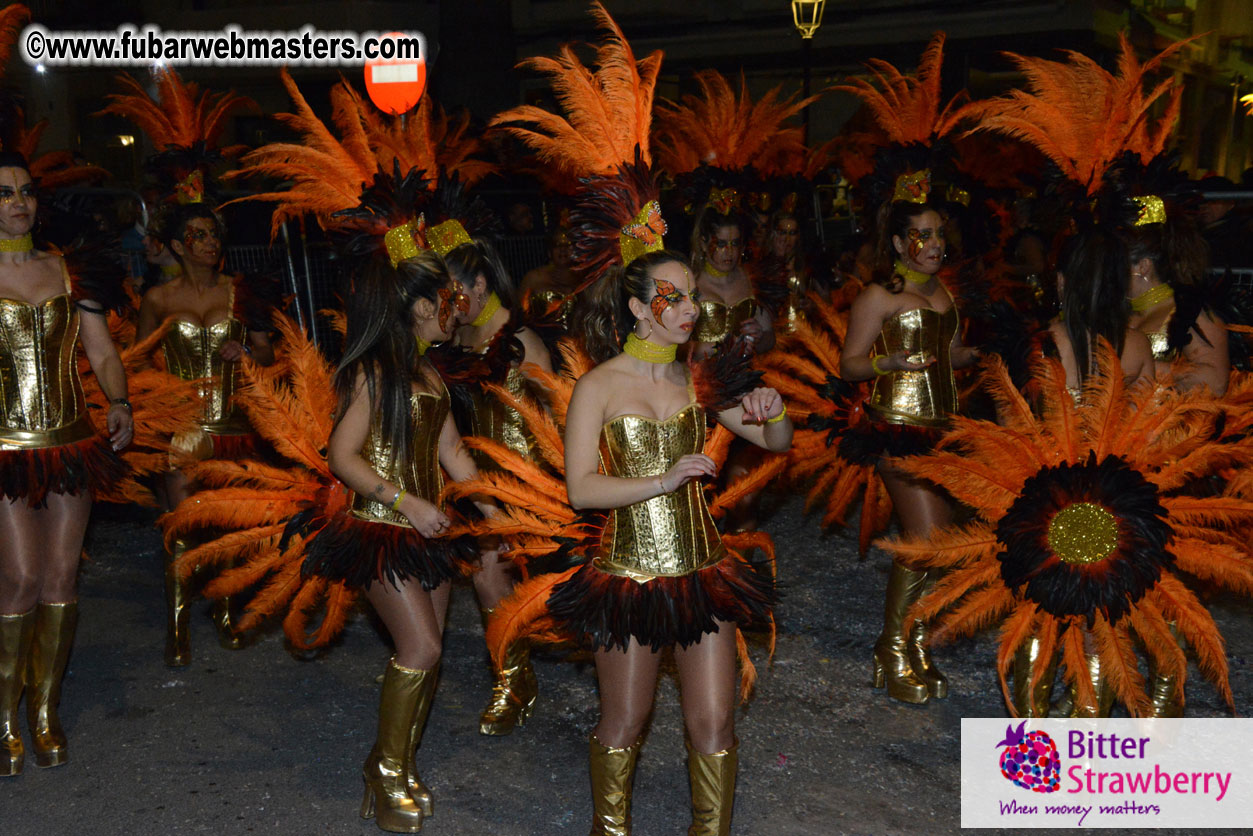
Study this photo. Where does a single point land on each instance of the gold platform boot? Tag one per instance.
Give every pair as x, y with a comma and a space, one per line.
612, 772
15, 637
713, 790
403, 706
892, 666
1167, 690
514, 694
419, 791
177, 601
45, 667
1028, 701
220, 615
920, 645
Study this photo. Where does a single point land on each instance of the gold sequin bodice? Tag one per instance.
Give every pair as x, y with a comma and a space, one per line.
420, 475
489, 418
669, 535
193, 352
40, 392
542, 300
718, 319
925, 397
793, 312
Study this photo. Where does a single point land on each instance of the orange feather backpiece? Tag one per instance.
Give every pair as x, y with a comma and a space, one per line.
12, 18
1150, 441
181, 116
608, 111
907, 107
1081, 116
720, 129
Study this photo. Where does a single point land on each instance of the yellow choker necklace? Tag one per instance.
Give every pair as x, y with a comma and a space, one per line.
715, 272
170, 269
912, 276
489, 310
649, 352
1151, 297
423, 345
17, 245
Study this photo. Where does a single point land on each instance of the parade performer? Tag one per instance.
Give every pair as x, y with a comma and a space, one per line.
659, 574
904, 335
52, 459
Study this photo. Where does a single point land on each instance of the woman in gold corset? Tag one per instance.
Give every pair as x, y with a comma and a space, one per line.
206, 340
51, 459
392, 436
727, 305
487, 285
784, 262
903, 334
661, 575
552, 285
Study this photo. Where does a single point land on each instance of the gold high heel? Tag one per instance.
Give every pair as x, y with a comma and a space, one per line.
177, 601
404, 704
45, 668
892, 666
612, 771
1028, 701
513, 695
15, 637
713, 790
920, 645
220, 615
1168, 690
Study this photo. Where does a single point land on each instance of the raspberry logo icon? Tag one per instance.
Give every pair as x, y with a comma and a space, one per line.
1030, 759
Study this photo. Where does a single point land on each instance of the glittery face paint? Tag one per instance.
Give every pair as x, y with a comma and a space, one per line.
667, 295
918, 240
452, 302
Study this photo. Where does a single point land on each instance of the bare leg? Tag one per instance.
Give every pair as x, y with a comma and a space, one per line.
64, 527
707, 682
628, 681
21, 553
494, 580
409, 613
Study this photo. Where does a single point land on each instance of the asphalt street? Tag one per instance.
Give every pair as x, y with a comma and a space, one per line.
260, 741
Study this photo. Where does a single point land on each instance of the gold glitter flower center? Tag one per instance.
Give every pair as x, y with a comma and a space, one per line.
1083, 533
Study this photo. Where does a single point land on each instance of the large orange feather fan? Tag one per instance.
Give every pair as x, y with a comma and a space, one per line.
12, 18
607, 111
907, 107
181, 116
1081, 116
1131, 455
719, 128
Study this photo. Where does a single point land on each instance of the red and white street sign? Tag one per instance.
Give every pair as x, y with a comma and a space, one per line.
395, 84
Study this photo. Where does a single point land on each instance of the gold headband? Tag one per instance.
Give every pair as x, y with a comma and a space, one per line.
447, 236
190, 189
957, 194
1152, 210
405, 240
914, 187
643, 234
724, 201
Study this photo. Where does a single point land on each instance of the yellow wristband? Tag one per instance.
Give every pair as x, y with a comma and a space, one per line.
400, 494
874, 364
776, 419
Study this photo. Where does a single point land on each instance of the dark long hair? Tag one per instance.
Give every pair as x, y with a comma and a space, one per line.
1097, 272
1176, 248
895, 219
604, 319
379, 342
707, 225
467, 262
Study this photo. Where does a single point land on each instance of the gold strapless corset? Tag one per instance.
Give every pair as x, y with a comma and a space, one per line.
40, 392
669, 535
489, 418
192, 352
1160, 343
793, 312
542, 300
717, 320
926, 397
420, 475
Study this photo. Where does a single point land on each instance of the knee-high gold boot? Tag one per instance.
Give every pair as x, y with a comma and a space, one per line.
920, 644
419, 791
713, 790
1104, 692
612, 773
45, 667
177, 600
1028, 701
15, 637
515, 691
892, 666
220, 614
404, 703
1168, 690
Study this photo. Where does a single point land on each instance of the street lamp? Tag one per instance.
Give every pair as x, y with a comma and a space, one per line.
807, 17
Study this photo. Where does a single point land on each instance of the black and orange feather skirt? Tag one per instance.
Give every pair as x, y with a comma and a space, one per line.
359, 552
30, 474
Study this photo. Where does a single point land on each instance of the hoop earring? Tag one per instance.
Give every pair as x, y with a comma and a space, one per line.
642, 336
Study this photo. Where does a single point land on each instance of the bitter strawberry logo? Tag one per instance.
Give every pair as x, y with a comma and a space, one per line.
1030, 759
